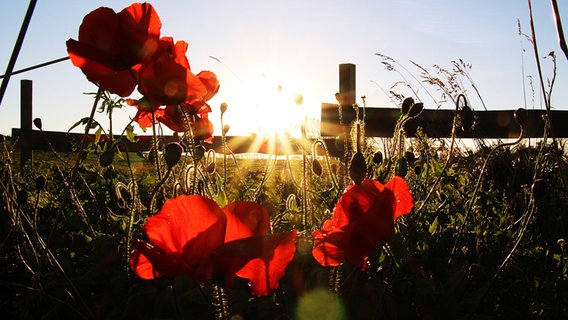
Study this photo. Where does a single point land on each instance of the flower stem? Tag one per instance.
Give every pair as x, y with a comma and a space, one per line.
220, 303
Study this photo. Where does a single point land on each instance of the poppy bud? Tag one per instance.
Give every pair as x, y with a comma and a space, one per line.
333, 167
37, 123
538, 189
295, 219
84, 155
316, 167
224, 106
40, 182
21, 197
211, 167
299, 99
109, 173
521, 117
401, 167
409, 156
415, 109
418, 170
152, 154
107, 157
378, 157
199, 152
406, 105
286, 175
172, 154
339, 98
562, 243
466, 118
226, 129
357, 168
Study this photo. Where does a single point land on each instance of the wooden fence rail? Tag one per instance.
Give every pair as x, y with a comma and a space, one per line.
379, 122
500, 124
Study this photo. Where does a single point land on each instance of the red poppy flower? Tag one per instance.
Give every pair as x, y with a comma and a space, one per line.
166, 79
202, 128
362, 221
196, 102
112, 45
171, 117
192, 236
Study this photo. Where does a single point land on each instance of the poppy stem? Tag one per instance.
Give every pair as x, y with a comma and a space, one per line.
476, 189
320, 143
155, 191
189, 131
335, 275
224, 143
220, 303
450, 151
155, 145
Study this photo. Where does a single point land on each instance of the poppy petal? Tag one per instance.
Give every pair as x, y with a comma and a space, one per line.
163, 80
362, 221
209, 79
97, 38
139, 32
403, 202
372, 231
261, 259
245, 219
264, 272
328, 247
118, 82
150, 262
202, 129
172, 119
191, 226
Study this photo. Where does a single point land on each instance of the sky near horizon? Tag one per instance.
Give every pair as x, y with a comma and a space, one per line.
255, 46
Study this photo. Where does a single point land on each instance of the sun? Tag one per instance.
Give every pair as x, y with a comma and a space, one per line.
278, 118
271, 109
280, 113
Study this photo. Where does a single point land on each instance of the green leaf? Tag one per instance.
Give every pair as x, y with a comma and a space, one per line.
130, 135
83, 122
433, 226
222, 199
98, 135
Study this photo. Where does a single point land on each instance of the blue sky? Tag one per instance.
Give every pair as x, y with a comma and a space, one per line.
297, 44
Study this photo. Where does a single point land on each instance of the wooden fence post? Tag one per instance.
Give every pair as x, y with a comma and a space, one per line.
347, 83
26, 151
346, 99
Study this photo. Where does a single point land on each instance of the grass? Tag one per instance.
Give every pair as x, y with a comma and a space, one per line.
506, 259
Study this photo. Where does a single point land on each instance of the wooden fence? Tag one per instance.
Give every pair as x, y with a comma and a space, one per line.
379, 122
